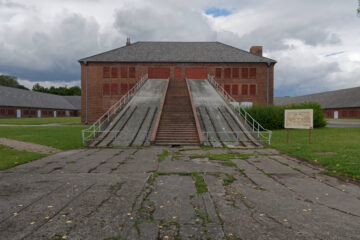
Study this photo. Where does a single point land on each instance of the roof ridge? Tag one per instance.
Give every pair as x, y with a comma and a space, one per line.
246, 51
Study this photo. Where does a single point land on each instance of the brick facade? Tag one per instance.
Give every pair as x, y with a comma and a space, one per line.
107, 82
11, 112
343, 112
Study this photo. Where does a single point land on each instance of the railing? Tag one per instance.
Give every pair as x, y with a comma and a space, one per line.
259, 130
97, 128
231, 137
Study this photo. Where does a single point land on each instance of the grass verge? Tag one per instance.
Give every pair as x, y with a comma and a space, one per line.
38, 121
337, 149
64, 137
10, 157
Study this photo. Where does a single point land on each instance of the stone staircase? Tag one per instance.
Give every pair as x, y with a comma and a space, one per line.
177, 124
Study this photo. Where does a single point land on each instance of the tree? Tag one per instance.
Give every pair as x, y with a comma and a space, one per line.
11, 81
64, 91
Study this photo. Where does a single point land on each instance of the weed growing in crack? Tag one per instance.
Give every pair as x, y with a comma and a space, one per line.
230, 179
162, 156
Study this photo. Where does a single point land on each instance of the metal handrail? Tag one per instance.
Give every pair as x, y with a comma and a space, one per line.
256, 126
105, 119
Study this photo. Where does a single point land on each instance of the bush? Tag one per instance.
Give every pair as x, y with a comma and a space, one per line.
272, 117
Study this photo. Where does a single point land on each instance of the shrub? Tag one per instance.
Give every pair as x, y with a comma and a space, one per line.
272, 117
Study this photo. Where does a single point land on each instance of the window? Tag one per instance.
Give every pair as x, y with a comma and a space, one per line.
227, 73
124, 88
244, 89
227, 88
2, 111
252, 72
106, 89
244, 73
33, 112
235, 89
124, 72
177, 73
114, 89
114, 72
252, 89
218, 72
235, 73
26, 112
11, 112
43, 113
106, 72
132, 72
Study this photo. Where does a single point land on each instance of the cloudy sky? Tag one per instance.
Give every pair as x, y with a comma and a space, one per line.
316, 43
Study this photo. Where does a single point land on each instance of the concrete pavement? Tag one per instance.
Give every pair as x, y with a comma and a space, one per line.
130, 194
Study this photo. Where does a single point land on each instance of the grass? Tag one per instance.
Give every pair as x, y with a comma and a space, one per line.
162, 156
10, 157
64, 137
38, 121
344, 120
337, 149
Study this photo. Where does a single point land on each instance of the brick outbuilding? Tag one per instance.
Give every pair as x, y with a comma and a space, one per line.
343, 103
247, 76
21, 103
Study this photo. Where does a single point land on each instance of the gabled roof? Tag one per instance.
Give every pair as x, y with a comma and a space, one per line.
194, 52
14, 97
343, 98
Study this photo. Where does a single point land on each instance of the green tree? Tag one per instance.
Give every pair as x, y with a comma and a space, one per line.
64, 91
11, 81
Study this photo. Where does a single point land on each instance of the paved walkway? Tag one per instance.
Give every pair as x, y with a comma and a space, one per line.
26, 146
343, 124
129, 194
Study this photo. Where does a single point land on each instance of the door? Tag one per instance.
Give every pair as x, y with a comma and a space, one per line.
196, 73
18, 113
39, 113
336, 114
159, 73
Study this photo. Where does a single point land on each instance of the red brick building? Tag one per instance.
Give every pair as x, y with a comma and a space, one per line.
247, 76
21, 103
343, 103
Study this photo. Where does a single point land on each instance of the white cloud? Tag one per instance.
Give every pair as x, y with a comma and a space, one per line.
44, 39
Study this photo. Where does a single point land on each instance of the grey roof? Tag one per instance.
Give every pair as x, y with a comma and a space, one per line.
14, 97
74, 100
202, 52
343, 98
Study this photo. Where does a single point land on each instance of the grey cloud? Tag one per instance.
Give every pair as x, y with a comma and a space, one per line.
163, 23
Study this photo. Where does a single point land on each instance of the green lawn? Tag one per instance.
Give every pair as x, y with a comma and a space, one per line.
37, 121
64, 137
10, 157
337, 149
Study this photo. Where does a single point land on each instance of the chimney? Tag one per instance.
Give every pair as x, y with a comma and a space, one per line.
257, 50
128, 41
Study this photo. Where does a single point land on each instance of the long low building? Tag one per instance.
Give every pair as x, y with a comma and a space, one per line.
16, 102
344, 103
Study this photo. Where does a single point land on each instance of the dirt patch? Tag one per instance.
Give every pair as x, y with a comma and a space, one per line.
30, 147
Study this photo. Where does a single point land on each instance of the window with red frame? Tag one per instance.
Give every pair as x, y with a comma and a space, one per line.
114, 89
235, 89
114, 72
132, 72
227, 73
11, 111
252, 89
244, 89
235, 73
124, 88
218, 72
245, 73
106, 72
106, 89
124, 72
227, 88
252, 73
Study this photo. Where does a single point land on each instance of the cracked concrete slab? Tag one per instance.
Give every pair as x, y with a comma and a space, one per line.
128, 193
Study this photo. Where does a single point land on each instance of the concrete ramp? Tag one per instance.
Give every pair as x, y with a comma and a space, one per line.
133, 125
220, 126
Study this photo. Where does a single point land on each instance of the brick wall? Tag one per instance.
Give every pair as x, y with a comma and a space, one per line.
343, 112
10, 112
100, 85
